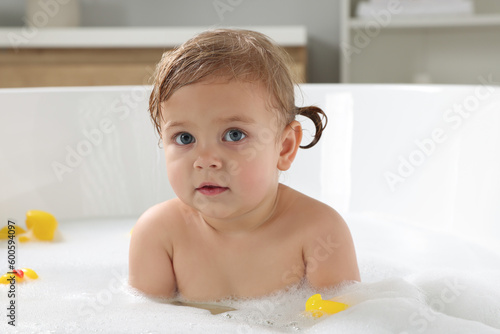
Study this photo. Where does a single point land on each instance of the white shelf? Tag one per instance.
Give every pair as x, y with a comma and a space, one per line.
436, 21
440, 49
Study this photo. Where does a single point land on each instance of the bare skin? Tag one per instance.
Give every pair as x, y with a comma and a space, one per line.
174, 249
245, 234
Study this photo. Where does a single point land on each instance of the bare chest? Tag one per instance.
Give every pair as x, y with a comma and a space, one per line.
211, 269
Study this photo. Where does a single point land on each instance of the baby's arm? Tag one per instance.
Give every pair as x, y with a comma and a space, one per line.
329, 251
150, 263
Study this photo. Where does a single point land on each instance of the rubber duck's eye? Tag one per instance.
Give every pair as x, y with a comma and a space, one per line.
184, 138
234, 135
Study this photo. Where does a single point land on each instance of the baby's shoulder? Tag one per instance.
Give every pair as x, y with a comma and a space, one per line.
313, 216
161, 218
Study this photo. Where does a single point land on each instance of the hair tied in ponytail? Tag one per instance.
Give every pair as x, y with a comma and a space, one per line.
314, 114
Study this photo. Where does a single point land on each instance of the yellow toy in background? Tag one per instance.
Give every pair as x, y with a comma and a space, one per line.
41, 225
319, 307
18, 275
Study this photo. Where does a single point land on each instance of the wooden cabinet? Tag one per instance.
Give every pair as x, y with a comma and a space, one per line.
118, 63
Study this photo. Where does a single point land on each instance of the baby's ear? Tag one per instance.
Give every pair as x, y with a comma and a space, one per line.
290, 142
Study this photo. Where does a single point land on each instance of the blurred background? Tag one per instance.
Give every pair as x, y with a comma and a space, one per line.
376, 131
117, 42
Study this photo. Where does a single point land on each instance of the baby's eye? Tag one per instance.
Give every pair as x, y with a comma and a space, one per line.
234, 135
184, 138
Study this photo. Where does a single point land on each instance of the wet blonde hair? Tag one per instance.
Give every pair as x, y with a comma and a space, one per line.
232, 54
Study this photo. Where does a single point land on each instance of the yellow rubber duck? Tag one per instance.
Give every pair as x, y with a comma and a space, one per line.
41, 225
319, 307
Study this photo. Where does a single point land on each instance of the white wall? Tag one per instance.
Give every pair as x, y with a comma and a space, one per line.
321, 18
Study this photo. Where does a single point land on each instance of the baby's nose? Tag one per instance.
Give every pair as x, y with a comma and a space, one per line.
207, 160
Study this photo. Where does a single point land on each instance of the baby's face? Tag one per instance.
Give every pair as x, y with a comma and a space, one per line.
221, 147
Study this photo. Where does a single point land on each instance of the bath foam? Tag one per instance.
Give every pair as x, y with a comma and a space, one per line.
462, 295
82, 288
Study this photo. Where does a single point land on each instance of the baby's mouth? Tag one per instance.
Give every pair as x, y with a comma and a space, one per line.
211, 189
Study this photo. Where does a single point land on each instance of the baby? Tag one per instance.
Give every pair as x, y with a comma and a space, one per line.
223, 105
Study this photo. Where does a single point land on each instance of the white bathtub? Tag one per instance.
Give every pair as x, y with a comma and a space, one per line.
414, 170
